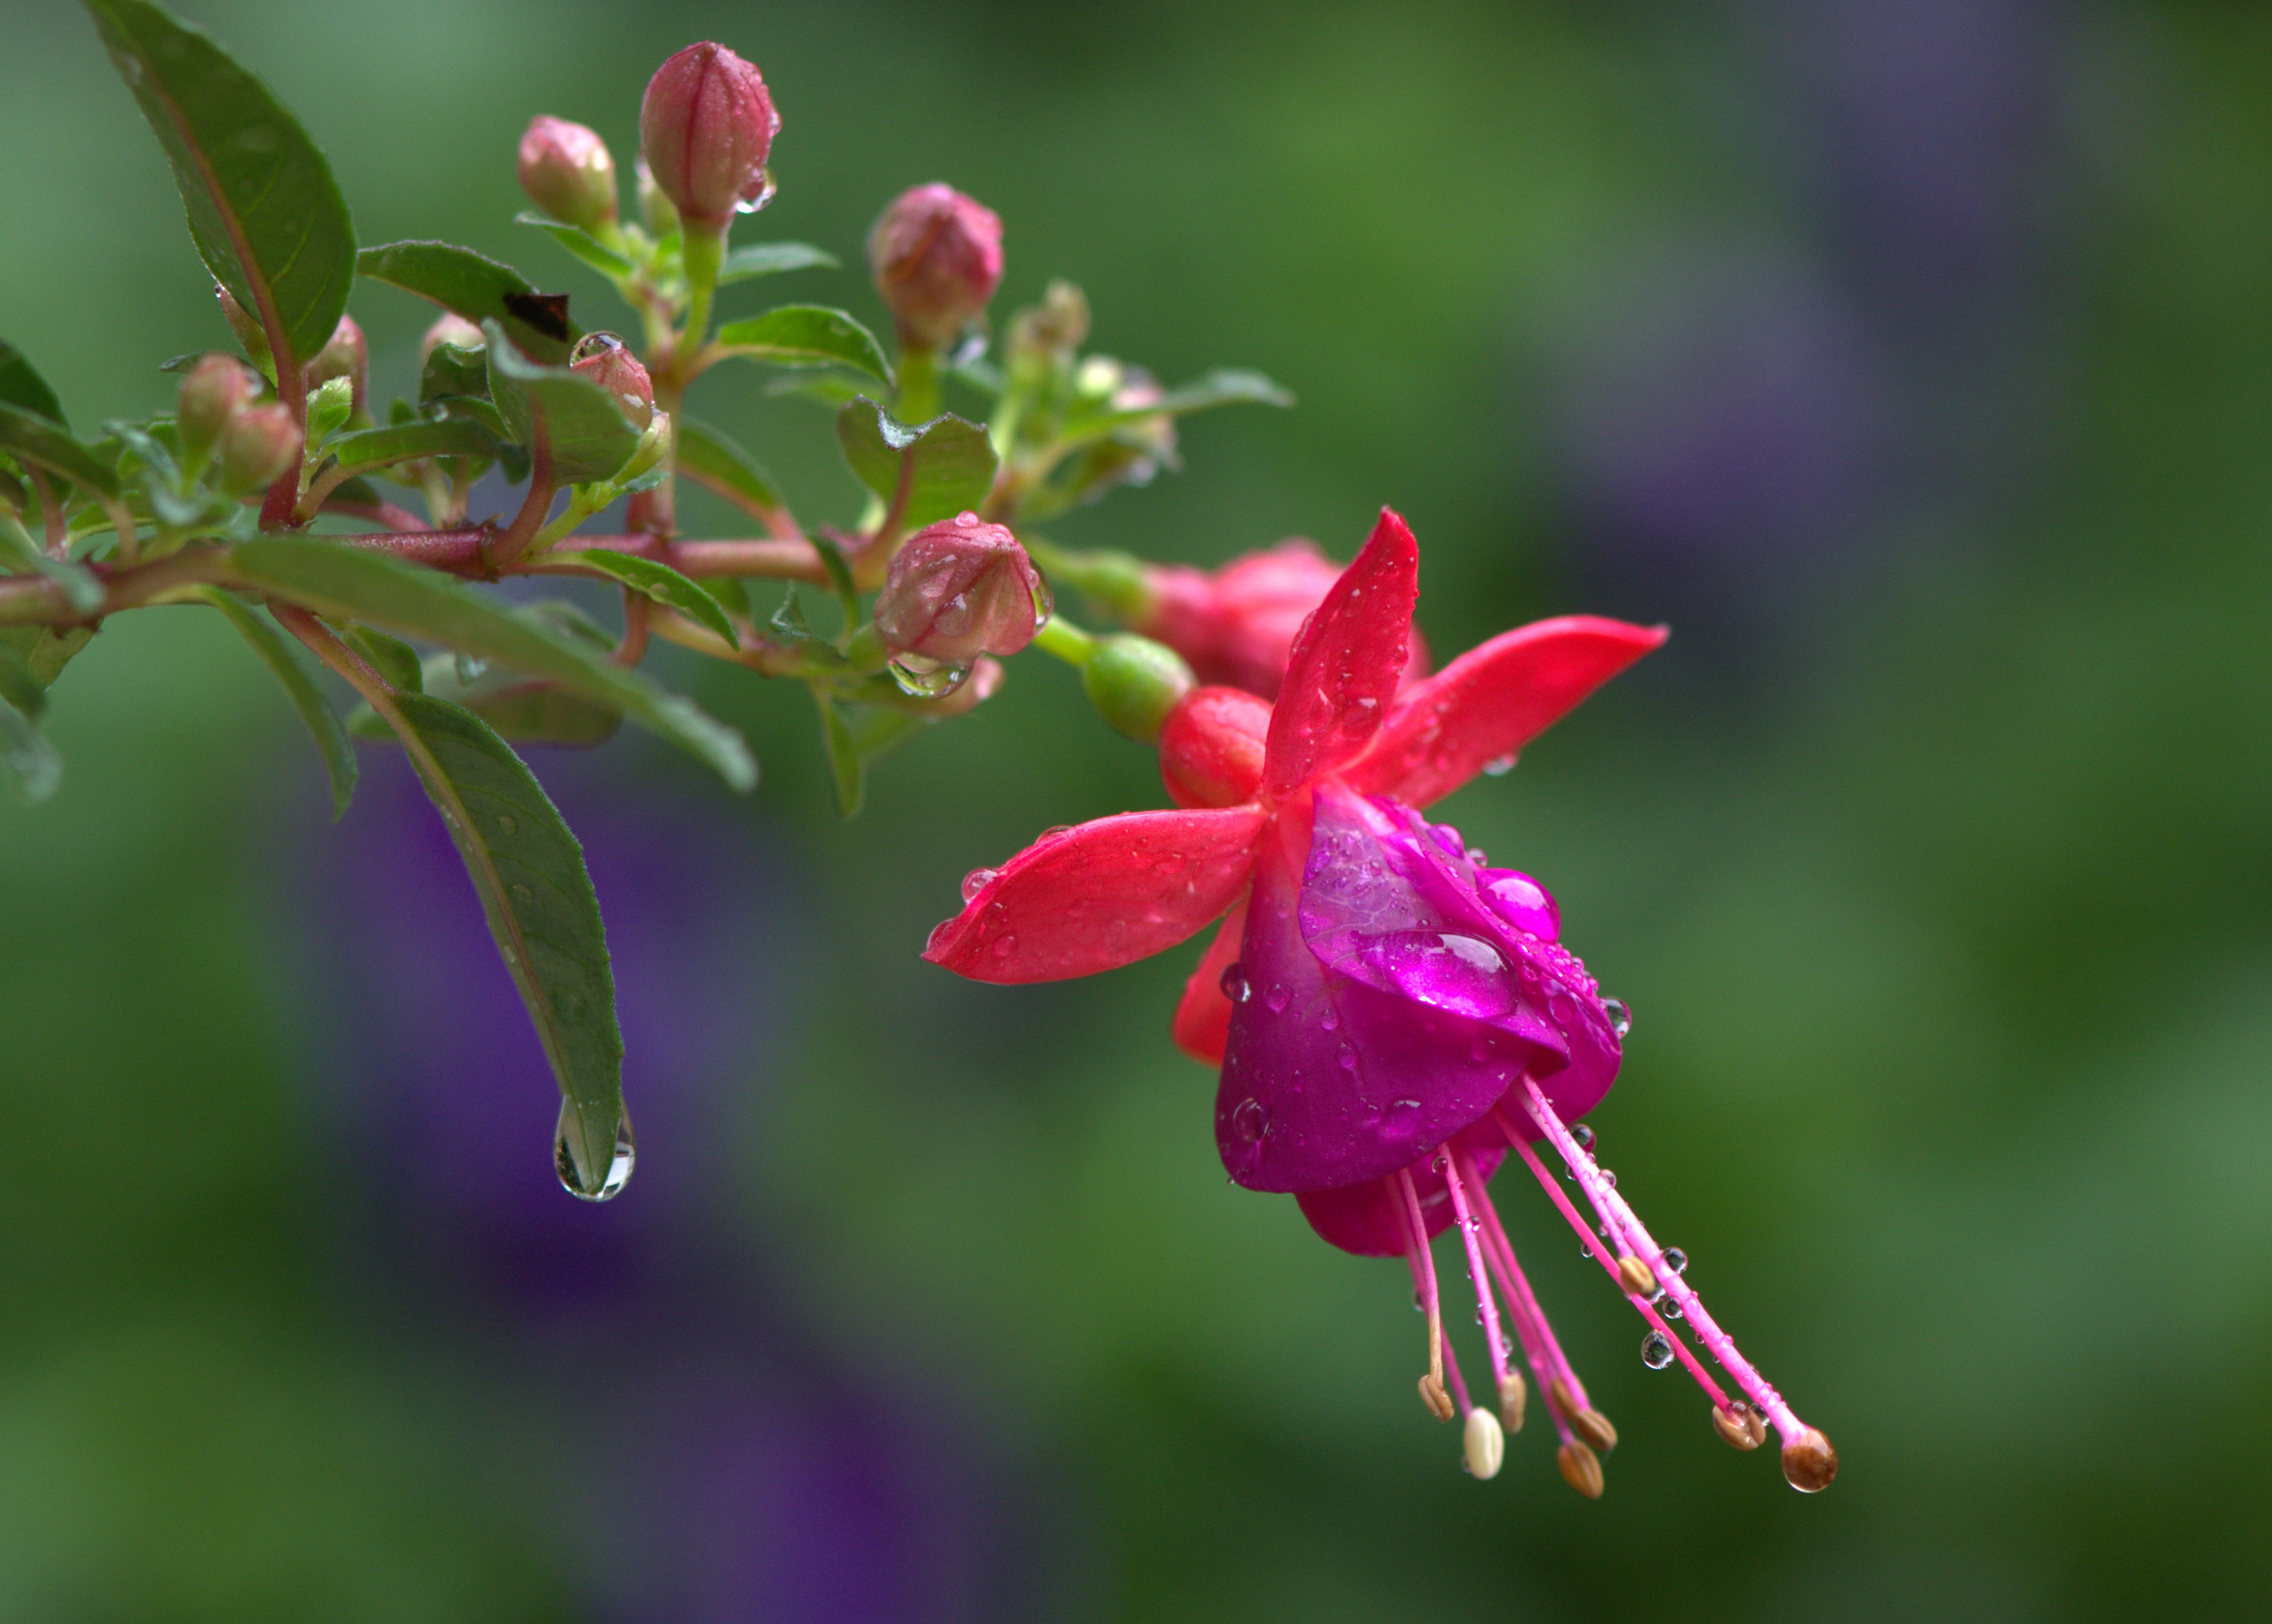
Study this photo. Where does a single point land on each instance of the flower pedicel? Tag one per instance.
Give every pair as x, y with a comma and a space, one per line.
1392, 1016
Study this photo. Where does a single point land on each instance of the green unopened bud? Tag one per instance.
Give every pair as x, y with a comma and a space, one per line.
329, 407
1134, 682
655, 444
259, 446
345, 355
214, 391
567, 170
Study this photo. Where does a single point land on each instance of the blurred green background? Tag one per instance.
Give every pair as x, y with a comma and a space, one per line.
1914, 361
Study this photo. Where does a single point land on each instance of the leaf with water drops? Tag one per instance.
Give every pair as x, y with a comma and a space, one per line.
528, 870
322, 722
265, 212
476, 287
920, 472
806, 335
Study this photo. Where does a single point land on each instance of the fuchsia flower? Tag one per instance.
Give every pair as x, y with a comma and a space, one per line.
1392, 1016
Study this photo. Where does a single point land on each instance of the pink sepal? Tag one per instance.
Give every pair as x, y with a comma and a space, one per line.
1346, 661
1202, 1024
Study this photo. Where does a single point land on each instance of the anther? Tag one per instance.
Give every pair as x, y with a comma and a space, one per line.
1734, 1426
1433, 1395
1633, 1274
1513, 1397
1809, 1462
1589, 1424
1485, 1444
1582, 1468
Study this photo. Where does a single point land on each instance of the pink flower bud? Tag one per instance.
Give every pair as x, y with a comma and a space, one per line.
259, 447
568, 172
705, 126
602, 357
937, 256
453, 330
958, 589
345, 356
214, 391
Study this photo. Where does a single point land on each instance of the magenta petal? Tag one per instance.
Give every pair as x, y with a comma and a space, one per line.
1368, 1218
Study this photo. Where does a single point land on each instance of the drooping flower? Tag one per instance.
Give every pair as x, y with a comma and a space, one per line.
1392, 1016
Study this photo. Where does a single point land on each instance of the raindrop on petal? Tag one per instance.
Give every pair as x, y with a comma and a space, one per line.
977, 881
1620, 1017
1250, 1119
1235, 984
1500, 766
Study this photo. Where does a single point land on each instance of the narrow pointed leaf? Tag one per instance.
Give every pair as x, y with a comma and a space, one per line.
264, 209
658, 581
31, 761
923, 473
586, 434
711, 459
393, 658
322, 722
347, 582
1221, 387
528, 870
29, 437
845, 768
380, 448
81, 588
476, 287
806, 335
580, 242
20, 384
771, 259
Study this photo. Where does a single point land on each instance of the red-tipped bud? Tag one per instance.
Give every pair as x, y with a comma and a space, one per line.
568, 172
259, 447
936, 257
705, 126
345, 356
1237, 625
214, 391
1211, 747
958, 589
602, 357
453, 330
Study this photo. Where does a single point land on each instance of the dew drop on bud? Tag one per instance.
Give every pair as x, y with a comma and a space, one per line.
1620, 1017
1234, 984
1500, 766
576, 1174
966, 519
926, 679
977, 881
1656, 1349
1278, 998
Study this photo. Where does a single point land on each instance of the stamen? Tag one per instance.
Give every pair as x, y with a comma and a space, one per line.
1741, 1425
1469, 1224
1513, 1395
1633, 1274
1484, 1444
1459, 1387
1431, 1385
1539, 1348
1588, 1423
1809, 1461
1582, 1468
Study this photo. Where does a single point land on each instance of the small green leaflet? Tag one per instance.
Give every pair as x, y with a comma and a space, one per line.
265, 214
29, 437
712, 460
528, 870
20, 384
475, 286
922, 474
32, 765
658, 581
580, 242
806, 335
379, 448
322, 722
770, 259
583, 430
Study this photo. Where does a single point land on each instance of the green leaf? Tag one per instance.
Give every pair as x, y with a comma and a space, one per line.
708, 458
450, 371
45, 650
840, 579
266, 215
770, 259
393, 658
81, 588
329, 408
349, 583
1224, 386
658, 581
18, 686
922, 474
21, 385
535, 713
731, 594
448, 436
585, 434
806, 335
324, 725
32, 765
31, 439
832, 389
844, 764
580, 242
528, 870
476, 287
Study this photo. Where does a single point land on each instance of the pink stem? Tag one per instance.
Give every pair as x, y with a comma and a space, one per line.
1428, 1294
1469, 1224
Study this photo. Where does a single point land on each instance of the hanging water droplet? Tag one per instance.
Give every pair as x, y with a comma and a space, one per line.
567, 1133
470, 668
507, 824
977, 881
1250, 1119
1234, 984
1656, 1349
1500, 766
1675, 1261
1584, 1136
1278, 998
1003, 946
1670, 1307
926, 679
1620, 1017
1609, 1177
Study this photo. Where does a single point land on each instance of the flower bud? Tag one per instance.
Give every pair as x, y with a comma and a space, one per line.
453, 330
706, 125
1211, 747
603, 358
1134, 683
214, 391
259, 447
937, 256
345, 356
958, 589
568, 172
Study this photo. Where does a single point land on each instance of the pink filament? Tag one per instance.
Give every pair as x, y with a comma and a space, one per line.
1539, 1348
1454, 1184
1417, 1233
1619, 1217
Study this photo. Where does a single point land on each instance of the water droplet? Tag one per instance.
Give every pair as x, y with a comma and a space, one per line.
1346, 1058
1003, 946
1234, 984
1278, 998
1609, 1177
926, 679
1656, 1349
1584, 1136
1500, 766
1674, 1261
522, 895
977, 881
1249, 1120
470, 668
1670, 1308
507, 824
1331, 1020
1620, 1017
565, 1134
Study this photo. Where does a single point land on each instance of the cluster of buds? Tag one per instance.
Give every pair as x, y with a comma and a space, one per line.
219, 415
936, 258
